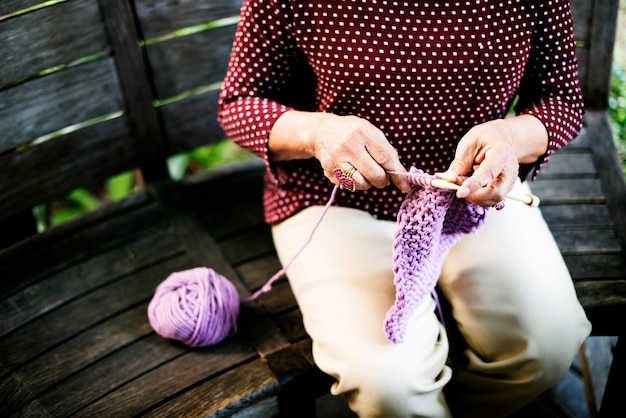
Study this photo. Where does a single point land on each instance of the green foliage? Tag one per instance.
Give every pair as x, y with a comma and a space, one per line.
118, 187
204, 158
617, 111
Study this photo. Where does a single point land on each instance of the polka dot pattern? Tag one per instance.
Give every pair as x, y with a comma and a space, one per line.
423, 73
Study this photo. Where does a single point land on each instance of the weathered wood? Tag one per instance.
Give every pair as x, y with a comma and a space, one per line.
568, 191
582, 12
250, 385
76, 240
564, 216
161, 17
177, 376
587, 241
74, 335
133, 72
48, 170
596, 267
598, 65
609, 171
138, 358
49, 37
188, 62
192, 122
84, 92
11, 6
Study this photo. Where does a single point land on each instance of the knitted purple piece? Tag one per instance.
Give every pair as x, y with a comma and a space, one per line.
430, 222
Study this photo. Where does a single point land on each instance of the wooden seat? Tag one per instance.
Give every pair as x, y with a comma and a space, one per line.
122, 88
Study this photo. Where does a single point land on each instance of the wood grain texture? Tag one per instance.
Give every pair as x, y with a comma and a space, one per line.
74, 334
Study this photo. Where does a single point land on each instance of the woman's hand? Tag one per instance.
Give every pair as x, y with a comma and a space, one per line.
347, 143
494, 150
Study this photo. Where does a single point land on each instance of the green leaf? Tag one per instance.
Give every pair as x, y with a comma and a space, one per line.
120, 186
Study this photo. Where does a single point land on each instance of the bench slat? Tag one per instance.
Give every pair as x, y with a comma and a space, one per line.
49, 37
185, 63
192, 122
160, 17
84, 92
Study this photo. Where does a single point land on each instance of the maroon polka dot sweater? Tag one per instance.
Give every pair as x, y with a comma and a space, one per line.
422, 72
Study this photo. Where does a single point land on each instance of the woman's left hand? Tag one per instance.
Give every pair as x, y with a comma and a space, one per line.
493, 151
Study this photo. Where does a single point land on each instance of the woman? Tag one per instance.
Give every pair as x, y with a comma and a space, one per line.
354, 93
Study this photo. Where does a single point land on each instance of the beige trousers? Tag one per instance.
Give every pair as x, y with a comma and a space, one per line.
512, 301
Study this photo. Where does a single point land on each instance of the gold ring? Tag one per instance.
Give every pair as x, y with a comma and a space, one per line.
345, 179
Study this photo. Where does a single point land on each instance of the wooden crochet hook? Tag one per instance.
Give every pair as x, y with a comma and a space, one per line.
527, 199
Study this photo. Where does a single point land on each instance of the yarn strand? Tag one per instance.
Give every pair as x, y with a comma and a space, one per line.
268, 285
199, 307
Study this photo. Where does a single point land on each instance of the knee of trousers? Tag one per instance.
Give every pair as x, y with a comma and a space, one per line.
394, 380
387, 387
550, 349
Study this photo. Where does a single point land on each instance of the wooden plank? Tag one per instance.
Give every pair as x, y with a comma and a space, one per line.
601, 293
610, 171
569, 164
15, 393
133, 71
61, 324
568, 191
587, 241
11, 6
188, 62
97, 380
192, 123
47, 371
80, 159
257, 242
77, 240
291, 325
576, 216
225, 223
32, 109
581, 13
194, 368
74, 280
280, 300
251, 387
596, 266
256, 272
597, 83
49, 37
160, 17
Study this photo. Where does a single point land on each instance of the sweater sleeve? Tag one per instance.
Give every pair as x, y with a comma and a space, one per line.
550, 89
267, 75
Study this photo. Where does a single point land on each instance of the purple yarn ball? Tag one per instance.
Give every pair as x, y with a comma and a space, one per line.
198, 307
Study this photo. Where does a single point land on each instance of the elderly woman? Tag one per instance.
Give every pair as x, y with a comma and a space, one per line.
356, 92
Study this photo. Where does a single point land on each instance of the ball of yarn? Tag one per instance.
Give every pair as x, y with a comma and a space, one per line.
198, 307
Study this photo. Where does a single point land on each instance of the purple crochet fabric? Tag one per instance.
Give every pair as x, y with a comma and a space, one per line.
430, 222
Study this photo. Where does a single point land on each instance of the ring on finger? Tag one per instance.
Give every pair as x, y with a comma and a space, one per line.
499, 206
345, 178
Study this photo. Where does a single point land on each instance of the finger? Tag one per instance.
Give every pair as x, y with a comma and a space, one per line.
348, 177
388, 164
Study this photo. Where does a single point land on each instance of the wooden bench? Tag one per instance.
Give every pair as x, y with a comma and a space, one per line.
125, 84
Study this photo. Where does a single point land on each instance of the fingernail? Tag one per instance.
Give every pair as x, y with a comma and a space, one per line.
463, 192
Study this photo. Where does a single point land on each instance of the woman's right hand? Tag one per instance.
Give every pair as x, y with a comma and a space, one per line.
347, 143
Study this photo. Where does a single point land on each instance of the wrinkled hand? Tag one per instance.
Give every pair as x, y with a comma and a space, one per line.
490, 150
348, 141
